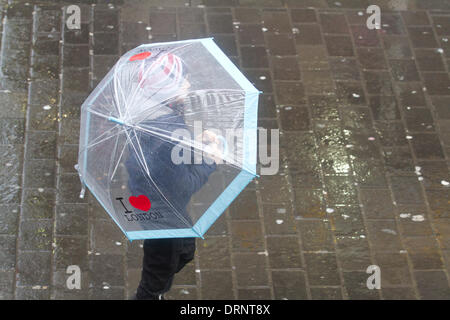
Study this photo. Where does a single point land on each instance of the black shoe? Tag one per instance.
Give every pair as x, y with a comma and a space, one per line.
149, 297
133, 297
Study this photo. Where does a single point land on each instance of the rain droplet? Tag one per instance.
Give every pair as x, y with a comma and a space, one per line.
390, 231
418, 170
262, 78
418, 218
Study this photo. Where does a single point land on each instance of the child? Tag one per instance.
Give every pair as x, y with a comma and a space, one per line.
170, 185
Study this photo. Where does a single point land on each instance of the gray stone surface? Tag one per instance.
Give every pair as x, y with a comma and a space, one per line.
365, 146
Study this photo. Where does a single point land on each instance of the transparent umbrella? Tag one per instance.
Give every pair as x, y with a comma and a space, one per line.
168, 139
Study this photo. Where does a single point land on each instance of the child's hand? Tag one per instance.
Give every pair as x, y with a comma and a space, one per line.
213, 146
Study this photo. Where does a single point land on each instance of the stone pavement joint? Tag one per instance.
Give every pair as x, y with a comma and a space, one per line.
364, 149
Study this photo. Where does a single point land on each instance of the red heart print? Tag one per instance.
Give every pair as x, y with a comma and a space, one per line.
140, 202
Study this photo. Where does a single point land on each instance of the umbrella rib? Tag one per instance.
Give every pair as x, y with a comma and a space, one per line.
169, 140
194, 92
114, 102
118, 161
133, 94
97, 113
116, 98
194, 146
142, 152
156, 186
137, 154
110, 166
103, 140
145, 73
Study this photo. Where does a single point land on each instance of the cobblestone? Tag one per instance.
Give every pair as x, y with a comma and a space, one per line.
364, 150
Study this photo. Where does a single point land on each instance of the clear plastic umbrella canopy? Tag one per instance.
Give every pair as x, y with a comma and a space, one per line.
168, 139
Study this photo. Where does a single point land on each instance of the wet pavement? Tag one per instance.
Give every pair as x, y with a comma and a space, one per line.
364, 157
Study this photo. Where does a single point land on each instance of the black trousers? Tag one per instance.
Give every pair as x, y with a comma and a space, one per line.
163, 258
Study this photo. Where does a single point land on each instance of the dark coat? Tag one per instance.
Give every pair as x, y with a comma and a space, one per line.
176, 182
